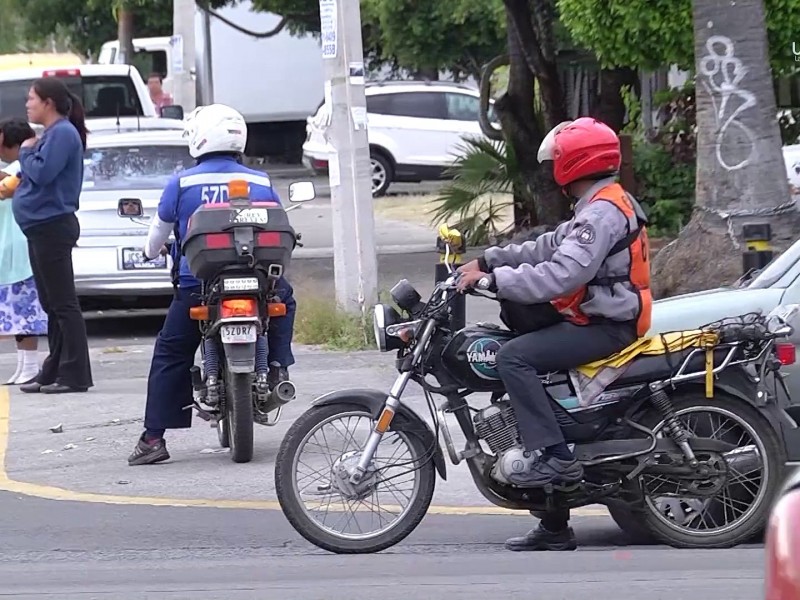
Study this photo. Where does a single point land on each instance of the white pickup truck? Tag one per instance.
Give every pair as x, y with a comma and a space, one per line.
113, 96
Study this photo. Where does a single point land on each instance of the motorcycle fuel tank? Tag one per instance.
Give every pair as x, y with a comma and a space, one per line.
471, 356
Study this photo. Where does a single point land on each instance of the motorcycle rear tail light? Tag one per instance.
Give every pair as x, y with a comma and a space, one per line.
268, 238
239, 307
786, 353
217, 241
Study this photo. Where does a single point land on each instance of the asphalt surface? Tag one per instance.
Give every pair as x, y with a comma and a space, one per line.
70, 550
77, 522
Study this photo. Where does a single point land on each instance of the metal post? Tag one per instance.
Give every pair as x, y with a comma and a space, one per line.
355, 261
458, 306
183, 53
758, 253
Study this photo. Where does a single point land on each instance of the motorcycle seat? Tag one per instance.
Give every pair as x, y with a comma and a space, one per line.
646, 368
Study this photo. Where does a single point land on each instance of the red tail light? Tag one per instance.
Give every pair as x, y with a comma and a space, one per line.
218, 241
786, 353
239, 307
62, 73
268, 238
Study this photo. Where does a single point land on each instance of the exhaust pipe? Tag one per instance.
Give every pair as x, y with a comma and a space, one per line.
281, 394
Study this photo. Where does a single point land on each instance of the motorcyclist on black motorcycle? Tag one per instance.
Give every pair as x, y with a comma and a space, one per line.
578, 294
217, 137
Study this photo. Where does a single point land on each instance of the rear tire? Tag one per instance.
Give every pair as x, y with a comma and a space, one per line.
773, 460
382, 173
223, 433
239, 418
311, 530
632, 524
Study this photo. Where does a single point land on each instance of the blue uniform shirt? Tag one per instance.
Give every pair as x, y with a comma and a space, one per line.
52, 176
206, 183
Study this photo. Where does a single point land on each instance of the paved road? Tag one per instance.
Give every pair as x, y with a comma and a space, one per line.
74, 551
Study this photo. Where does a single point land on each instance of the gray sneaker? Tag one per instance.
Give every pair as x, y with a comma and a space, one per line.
549, 470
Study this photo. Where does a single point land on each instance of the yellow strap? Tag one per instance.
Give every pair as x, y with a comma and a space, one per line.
709, 371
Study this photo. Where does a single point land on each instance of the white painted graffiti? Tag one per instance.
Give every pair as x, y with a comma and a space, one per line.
724, 72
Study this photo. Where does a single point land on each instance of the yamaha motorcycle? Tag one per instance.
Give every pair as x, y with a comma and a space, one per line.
689, 446
239, 249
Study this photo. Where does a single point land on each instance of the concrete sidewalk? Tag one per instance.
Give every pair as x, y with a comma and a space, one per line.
100, 429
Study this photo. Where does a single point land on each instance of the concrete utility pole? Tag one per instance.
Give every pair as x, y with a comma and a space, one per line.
355, 262
183, 53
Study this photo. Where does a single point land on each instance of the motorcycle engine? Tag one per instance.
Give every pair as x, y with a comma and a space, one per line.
497, 426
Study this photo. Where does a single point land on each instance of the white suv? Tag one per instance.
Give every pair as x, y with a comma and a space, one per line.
414, 128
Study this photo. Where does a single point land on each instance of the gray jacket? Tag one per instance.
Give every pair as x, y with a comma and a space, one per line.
559, 262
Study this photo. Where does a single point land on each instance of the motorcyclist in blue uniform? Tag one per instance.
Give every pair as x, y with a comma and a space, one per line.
217, 135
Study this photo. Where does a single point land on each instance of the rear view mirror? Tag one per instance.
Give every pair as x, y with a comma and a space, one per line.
130, 207
172, 112
302, 191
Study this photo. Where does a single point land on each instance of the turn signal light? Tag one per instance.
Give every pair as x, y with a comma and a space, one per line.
276, 309
198, 313
786, 353
239, 307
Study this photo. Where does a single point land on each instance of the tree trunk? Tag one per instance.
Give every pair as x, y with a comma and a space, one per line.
427, 73
541, 203
125, 34
740, 169
610, 109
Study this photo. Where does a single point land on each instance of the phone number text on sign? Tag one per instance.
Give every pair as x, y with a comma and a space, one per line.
327, 18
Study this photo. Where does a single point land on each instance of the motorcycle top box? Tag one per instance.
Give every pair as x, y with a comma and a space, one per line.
221, 235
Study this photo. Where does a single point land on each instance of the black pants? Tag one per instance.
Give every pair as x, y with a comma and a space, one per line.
550, 344
50, 247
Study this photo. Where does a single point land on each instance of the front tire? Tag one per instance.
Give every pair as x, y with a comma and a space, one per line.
239, 417
764, 449
382, 173
300, 433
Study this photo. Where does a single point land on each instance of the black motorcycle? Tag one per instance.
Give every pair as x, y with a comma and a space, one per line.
239, 249
688, 446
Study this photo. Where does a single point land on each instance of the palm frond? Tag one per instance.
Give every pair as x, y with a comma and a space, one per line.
483, 169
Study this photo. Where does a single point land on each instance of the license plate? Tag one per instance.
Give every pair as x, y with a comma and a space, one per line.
238, 333
240, 284
133, 260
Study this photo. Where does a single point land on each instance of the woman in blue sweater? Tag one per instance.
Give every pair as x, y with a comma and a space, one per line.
44, 206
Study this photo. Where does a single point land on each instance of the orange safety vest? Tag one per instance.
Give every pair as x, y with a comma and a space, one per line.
637, 244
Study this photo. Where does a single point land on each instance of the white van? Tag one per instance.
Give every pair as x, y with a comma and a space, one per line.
107, 91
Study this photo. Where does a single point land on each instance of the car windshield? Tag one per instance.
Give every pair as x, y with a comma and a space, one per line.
776, 269
133, 167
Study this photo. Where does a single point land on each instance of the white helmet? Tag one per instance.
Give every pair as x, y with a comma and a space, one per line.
215, 128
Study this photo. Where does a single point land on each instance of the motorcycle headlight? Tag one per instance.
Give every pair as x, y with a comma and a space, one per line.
382, 317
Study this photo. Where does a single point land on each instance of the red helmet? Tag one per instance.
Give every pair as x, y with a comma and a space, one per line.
581, 149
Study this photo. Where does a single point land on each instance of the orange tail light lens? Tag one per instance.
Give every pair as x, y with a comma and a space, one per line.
239, 307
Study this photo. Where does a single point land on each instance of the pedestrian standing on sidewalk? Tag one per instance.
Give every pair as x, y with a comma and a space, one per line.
44, 206
21, 314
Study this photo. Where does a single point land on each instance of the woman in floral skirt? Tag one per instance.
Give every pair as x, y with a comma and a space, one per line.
21, 315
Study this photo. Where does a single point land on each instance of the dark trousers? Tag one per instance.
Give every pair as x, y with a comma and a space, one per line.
550, 344
50, 247
169, 386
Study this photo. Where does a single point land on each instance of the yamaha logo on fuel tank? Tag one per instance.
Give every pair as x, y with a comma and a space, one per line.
482, 357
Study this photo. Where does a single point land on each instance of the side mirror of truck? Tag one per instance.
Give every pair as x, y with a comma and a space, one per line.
172, 112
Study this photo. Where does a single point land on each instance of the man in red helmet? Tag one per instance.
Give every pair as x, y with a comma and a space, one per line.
576, 295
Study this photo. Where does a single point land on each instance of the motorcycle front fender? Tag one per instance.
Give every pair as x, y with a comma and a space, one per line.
405, 419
